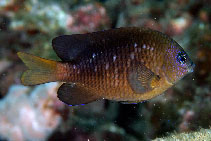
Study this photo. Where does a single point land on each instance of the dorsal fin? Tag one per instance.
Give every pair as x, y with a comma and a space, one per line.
67, 47
71, 47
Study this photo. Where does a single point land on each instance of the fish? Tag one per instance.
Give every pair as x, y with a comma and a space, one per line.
127, 64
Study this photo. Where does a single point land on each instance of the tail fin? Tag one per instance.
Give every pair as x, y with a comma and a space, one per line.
40, 70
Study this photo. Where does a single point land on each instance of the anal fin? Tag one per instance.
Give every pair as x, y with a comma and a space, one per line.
73, 94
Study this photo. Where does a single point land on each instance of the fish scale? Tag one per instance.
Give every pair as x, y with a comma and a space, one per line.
120, 78
128, 64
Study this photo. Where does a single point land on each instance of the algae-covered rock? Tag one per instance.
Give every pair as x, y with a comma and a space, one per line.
202, 135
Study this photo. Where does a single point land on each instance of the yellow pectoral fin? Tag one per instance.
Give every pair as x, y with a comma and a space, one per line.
155, 81
142, 79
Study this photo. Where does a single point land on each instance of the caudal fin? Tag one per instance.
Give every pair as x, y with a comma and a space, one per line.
40, 70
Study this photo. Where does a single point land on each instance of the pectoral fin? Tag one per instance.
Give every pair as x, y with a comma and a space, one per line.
141, 78
73, 94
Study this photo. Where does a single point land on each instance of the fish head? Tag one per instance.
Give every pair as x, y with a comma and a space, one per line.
177, 63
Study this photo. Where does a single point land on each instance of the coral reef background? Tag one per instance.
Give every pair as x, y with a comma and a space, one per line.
35, 113
202, 135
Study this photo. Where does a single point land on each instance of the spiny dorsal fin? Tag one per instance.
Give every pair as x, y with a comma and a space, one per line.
140, 79
68, 47
73, 94
71, 47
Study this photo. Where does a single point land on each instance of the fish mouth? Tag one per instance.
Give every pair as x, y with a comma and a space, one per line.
191, 67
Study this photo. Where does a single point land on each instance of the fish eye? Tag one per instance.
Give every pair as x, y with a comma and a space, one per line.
181, 58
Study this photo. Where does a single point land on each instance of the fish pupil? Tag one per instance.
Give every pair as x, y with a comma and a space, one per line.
181, 58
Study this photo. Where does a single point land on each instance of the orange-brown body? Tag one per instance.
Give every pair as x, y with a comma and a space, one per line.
125, 64
109, 79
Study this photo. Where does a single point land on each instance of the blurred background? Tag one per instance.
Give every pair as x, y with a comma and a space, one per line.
35, 113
